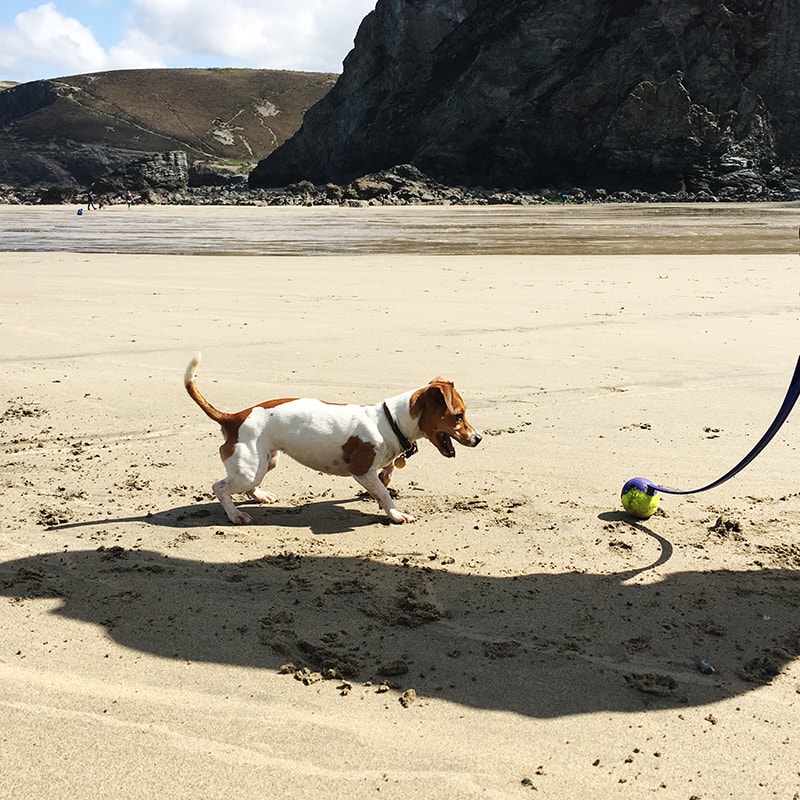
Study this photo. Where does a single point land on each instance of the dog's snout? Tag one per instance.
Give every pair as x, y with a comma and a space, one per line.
475, 439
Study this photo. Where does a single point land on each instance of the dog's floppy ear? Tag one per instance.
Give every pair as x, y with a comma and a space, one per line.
437, 394
447, 390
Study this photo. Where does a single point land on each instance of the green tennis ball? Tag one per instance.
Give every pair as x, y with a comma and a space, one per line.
639, 498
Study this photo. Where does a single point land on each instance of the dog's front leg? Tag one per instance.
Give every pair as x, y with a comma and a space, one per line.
386, 475
373, 484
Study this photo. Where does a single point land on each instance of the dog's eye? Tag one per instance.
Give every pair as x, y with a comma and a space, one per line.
459, 417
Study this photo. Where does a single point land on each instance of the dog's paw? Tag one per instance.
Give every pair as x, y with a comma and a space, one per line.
260, 496
240, 518
400, 517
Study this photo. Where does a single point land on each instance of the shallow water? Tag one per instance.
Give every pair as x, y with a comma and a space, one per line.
443, 230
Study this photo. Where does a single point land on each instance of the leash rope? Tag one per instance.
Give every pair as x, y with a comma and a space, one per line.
792, 394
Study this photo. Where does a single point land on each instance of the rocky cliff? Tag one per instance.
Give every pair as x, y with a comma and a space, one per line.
691, 95
72, 131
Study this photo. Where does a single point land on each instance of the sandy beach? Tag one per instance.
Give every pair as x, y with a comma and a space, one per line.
523, 638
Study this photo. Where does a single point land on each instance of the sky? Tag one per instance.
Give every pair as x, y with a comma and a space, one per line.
70, 37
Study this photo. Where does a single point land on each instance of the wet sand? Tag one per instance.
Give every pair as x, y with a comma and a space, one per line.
591, 229
522, 637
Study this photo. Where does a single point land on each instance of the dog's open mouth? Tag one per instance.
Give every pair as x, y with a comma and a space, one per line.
446, 445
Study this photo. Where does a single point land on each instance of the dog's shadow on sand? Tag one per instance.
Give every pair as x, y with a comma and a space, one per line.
539, 644
322, 517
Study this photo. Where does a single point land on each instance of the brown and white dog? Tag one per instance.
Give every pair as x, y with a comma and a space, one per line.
366, 442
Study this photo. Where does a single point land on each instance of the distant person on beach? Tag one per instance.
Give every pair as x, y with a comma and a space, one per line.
129, 198
90, 201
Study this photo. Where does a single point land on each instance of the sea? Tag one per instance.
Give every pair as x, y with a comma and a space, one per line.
591, 229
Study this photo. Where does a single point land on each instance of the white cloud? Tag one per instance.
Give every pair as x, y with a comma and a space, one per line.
45, 36
139, 51
278, 34
312, 35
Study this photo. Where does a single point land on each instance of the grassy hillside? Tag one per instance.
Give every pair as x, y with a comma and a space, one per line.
76, 128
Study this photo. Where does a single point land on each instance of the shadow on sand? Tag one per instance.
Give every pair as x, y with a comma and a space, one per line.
538, 644
321, 517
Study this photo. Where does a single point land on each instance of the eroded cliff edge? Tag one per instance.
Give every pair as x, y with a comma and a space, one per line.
663, 94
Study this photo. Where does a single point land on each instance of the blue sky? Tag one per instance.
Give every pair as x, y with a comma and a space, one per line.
67, 37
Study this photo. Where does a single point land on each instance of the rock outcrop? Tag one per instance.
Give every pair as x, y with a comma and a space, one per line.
147, 177
674, 95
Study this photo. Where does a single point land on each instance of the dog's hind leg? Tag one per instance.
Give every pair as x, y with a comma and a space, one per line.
259, 495
246, 468
222, 491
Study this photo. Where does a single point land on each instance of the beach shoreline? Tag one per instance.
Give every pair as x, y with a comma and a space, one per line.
443, 230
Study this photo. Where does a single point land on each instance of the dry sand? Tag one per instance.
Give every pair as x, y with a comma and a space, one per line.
523, 638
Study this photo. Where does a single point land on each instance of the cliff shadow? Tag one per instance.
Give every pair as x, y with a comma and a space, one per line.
539, 644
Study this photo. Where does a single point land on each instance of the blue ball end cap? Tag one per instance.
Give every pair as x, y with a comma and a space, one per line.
642, 484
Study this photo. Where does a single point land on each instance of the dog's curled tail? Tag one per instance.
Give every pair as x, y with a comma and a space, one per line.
194, 393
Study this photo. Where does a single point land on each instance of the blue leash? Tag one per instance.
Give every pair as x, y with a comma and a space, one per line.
788, 404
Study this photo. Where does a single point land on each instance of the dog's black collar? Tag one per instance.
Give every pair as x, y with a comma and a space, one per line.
409, 448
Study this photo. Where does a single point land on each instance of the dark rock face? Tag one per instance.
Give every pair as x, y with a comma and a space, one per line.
157, 172
674, 95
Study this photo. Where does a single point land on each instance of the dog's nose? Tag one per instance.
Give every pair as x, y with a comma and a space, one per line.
476, 439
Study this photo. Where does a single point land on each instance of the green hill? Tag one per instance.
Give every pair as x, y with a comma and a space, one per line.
73, 130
